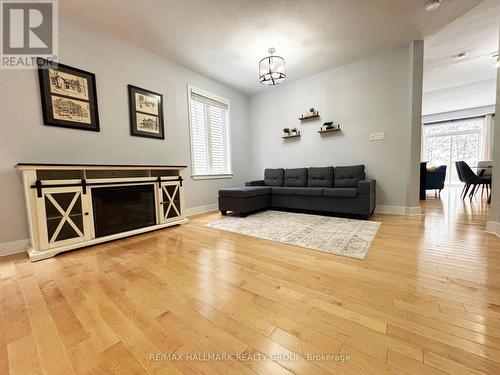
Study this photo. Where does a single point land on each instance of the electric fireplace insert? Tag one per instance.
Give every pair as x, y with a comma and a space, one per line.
123, 208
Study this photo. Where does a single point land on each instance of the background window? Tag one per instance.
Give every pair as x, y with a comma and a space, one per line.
447, 142
209, 123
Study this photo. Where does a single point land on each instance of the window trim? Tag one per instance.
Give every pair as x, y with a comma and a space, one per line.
207, 94
214, 176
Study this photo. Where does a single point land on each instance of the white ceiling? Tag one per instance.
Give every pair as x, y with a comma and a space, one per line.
476, 33
225, 39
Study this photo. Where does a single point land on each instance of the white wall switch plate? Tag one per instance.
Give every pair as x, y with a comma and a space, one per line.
377, 136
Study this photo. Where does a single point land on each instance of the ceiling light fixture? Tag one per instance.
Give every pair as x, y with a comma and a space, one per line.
432, 5
272, 69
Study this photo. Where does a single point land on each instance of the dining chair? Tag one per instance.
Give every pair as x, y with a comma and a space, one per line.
471, 179
461, 178
484, 169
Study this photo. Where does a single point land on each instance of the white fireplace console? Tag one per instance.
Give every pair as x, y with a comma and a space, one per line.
74, 205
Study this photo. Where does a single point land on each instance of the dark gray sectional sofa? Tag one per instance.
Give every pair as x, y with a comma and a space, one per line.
343, 190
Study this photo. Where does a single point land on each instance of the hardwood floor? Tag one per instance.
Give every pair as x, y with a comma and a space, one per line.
426, 300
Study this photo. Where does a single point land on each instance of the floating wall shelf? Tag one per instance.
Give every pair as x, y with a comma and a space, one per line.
329, 130
312, 117
291, 136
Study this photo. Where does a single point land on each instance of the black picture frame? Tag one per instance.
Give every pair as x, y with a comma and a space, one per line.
68, 100
151, 115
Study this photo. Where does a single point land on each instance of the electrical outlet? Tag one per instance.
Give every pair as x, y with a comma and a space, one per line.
377, 136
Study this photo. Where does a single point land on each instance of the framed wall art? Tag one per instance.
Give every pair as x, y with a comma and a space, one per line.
146, 113
69, 97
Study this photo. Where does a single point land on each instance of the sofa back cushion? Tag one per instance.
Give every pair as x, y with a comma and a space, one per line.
274, 177
295, 177
320, 177
348, 177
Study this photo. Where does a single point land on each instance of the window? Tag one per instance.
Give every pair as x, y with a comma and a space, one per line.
209, 124
447, 142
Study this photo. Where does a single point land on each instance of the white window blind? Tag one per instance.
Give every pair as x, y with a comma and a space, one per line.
209, 135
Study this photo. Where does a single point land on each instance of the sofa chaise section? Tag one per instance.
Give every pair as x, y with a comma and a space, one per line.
244, 199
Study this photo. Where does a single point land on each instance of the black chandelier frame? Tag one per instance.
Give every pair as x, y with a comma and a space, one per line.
271, 80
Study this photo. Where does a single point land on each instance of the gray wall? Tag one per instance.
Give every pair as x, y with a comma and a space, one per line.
367, 96
24, 138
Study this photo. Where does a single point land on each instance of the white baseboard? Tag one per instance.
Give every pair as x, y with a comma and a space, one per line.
200, 209
14, 247
398, 210
493, 227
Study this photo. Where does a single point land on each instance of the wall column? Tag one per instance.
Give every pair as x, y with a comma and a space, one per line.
416, 71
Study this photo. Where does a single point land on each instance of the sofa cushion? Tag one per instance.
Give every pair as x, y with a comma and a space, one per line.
274, 177
340, 192
320, 177
280, 190
310, 191
244, 192
348, 177
255, 183
296, 177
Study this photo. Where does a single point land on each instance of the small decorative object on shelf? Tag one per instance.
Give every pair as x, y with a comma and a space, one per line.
329, 127
292, 133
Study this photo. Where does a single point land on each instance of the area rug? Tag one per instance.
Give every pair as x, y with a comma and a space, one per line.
347, 237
